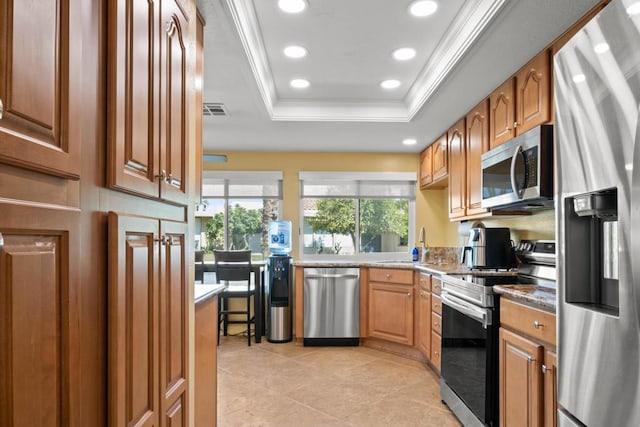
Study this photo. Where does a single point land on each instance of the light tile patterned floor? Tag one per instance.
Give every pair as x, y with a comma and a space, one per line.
287, 385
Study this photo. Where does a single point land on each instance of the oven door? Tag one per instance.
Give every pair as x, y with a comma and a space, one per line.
469, 355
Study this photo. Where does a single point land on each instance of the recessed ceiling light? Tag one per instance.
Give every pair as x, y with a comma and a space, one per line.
409, 141
299, 83
404, 53
579, 78
601, 48
292, 6
422, 8
634, 8
390, 84
295, 52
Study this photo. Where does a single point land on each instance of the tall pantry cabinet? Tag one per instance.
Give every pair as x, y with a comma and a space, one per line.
94, 313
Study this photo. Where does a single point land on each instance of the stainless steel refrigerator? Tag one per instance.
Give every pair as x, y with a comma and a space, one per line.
597, 94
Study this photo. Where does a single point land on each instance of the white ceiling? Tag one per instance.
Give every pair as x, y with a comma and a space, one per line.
464, 51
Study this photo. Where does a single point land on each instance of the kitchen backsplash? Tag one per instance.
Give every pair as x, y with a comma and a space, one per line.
444, 255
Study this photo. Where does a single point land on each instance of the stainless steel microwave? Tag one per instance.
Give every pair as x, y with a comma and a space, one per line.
519, 173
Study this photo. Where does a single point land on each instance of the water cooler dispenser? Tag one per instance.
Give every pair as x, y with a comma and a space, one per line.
279, 283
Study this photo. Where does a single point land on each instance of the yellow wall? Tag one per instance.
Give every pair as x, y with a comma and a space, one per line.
431, 205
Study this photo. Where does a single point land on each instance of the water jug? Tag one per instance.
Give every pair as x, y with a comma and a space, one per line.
280, 237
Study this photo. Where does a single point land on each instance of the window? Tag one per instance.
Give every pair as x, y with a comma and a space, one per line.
236, 209
355, 213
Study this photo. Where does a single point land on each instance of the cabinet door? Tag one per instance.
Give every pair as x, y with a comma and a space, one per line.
174, 346
501, 114
426, 166
533, 98
39, 88
440, 153
38, 317
520, 369
206, 363
424, 326
476, 144
457, 170
133, 80
133, 329
550, 389
391, 312
173, 102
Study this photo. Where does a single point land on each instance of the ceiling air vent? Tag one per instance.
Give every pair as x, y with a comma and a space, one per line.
213, 109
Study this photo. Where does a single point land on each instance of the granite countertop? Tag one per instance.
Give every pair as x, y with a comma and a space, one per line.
539, 296
204, 292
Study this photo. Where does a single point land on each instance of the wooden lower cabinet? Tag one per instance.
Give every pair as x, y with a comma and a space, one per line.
424, 315
549, 369
38, 316
391, 305
147, 322
206, 363
527, 367
520, 381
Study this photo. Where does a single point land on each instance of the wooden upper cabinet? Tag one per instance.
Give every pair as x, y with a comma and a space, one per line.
502, 114
477, 143
457, 169
426, 166
147, 93
40, 86
173, 102
533, 102
522, 102
133, 84
440, 153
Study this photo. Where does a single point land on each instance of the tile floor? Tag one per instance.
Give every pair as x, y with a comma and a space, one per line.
287, 385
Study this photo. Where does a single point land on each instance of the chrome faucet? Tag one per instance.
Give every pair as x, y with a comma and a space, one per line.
425, 247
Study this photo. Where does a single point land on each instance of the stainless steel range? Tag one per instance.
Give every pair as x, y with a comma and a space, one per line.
470, 322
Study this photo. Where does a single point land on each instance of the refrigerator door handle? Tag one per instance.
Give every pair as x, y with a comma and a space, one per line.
514, 184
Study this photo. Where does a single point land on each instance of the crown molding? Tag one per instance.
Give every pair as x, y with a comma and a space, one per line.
468, 25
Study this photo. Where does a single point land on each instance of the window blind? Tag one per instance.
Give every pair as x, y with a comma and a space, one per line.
245, 185
369, 185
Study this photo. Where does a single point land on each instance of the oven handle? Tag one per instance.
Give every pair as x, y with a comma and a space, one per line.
458, 304
514, 184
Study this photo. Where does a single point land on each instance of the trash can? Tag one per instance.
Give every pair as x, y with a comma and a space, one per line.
279, 298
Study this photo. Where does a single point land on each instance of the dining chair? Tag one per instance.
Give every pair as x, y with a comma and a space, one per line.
233, 269
199, 266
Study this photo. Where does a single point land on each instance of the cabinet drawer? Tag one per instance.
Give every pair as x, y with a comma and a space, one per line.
391, 276
436, 304
530, 321
425, 282
436, 323
436, 285
436, 345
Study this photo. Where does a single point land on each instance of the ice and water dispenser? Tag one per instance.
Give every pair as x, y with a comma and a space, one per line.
591, 250
279, 283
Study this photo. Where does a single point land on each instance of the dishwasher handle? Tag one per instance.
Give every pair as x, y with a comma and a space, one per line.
331, 276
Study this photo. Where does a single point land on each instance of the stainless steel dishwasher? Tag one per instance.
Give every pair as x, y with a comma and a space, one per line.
331, 306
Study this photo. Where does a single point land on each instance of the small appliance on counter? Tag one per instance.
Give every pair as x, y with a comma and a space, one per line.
279, 290
488, 248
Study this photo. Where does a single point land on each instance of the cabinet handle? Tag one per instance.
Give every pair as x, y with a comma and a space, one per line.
1, 242
537, 324
515, 125
545, 369
388, 275
163, 175
1, 109
530, 359
408, 294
